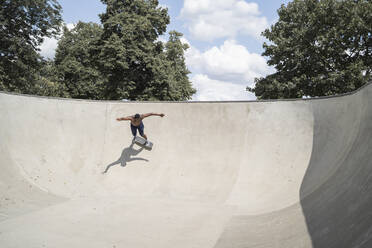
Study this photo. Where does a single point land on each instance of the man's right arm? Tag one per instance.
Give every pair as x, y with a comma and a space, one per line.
128, 118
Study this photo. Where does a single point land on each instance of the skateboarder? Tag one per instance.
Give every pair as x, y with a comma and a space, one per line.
136, 122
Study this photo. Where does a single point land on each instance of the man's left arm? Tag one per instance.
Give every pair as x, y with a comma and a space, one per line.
152, 114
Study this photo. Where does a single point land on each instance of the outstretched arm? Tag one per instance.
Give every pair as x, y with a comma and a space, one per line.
152, 114
128, 118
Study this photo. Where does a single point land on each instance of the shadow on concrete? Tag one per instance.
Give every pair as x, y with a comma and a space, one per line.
338, 213
126, 157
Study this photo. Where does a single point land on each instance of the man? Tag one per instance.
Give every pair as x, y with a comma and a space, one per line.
136, 123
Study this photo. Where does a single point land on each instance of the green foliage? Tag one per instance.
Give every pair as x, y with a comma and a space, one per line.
74, 63
122, 58
170, 81
319, 48
134, 62
23, 25
46, 83
179, 86
128, 48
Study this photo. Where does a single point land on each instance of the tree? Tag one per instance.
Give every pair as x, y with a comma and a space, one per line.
170, 81
74, 63
179, 85
130, 56
319, 48
45, 83
23, 26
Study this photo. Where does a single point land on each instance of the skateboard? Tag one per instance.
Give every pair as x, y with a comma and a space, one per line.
142, 143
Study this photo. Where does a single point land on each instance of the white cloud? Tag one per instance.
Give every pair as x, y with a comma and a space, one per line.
70, 25
212, 19
215, 90
49, 46
223, 73
163, 38
164, 6
230, 62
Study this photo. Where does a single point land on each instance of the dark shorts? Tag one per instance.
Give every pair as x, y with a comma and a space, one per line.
140, 128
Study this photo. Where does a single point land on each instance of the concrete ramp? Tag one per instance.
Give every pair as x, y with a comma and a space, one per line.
283, 174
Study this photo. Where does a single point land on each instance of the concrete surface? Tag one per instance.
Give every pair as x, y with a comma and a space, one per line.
284, 174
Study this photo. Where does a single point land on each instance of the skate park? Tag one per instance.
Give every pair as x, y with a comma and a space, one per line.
283, 174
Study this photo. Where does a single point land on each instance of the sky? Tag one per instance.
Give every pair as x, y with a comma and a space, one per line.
223, 35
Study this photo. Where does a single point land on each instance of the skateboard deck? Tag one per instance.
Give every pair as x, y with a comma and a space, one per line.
142, 143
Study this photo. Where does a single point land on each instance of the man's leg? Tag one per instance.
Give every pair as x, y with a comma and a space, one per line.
134, 130
141, 130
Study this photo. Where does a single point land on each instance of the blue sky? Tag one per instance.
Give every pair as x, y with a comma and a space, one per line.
224, 38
